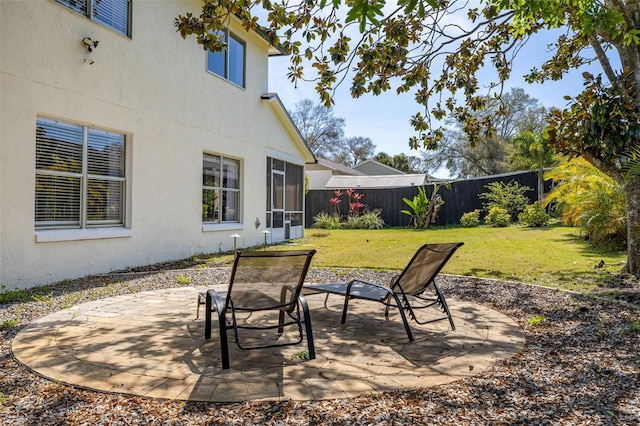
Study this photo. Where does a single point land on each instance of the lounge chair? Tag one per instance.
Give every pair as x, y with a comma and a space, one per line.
264, 294
414, 289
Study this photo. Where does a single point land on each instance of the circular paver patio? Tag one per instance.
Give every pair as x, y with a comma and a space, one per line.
150, 344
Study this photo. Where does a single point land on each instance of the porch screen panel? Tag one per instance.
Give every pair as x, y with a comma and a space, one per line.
294, 187
278, 191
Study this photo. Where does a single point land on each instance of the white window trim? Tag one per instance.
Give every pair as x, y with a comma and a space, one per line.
229, 34
126, 200
54, 235
109, 27
236, 224
212, 227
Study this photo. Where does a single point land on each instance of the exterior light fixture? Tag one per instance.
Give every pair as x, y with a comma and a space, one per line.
265, 233
235, 241
90, 44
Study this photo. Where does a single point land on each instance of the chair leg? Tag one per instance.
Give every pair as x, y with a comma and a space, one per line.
198, 305
222, 325
307, 326
444, 305
344, 308
224, 346
403, 316
207, 316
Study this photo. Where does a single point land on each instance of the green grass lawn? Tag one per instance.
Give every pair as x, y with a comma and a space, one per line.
556, 256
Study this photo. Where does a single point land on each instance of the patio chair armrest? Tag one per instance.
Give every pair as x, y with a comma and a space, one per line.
217, 301
283, 294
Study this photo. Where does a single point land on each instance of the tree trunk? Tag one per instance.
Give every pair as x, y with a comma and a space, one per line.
632, 193
541, 184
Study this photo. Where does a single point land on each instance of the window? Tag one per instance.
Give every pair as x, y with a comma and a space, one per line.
80, 176
228, 63
115, 14
220, 189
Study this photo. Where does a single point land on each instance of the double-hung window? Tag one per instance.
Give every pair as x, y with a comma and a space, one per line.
115, 14
230, 62
80, 176
220, 189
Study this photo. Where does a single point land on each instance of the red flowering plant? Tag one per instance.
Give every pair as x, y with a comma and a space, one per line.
335, 201
355, 206
356, 219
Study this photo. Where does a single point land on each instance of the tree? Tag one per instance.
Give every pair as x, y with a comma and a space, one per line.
533, 152
321, 130
403, 162
487, 156
425, 47
355, 150
514, 113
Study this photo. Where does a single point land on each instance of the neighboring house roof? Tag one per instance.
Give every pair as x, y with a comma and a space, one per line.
380, 181
336, 168
372, 167
289, 125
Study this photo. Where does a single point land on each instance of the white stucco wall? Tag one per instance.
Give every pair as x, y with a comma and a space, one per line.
153, 87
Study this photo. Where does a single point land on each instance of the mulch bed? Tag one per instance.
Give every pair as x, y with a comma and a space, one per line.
580, 366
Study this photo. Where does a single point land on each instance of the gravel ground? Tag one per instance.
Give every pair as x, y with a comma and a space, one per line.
580, 366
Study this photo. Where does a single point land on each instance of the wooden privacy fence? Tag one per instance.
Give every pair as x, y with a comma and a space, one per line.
462, 196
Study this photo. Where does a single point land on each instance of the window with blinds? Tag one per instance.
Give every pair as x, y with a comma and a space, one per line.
115, 14
80, 176
220, 189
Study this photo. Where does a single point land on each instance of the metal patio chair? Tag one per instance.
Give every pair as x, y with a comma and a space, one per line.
264, 295
412, 290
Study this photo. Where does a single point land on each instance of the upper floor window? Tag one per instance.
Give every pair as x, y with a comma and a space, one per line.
80, 176
229, 63
220, 189
115, 14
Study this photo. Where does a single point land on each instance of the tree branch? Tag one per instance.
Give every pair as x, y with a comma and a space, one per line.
603, 59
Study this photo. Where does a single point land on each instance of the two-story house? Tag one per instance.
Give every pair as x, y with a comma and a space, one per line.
122, 144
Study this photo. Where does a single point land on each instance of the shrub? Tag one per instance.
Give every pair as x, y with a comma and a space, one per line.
325, 221
587, 198
498, 217
423, 211
371, 220
534, 216
470, 219
352, 222
508, 196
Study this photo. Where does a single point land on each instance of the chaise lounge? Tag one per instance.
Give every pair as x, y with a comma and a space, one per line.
412, 290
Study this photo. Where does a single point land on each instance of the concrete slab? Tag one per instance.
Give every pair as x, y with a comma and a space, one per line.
150, 344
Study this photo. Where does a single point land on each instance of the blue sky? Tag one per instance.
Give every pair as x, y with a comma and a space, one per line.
385, 118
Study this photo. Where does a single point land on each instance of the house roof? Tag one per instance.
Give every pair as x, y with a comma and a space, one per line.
336, 168
290, 126
263, 32
377, 167
273, 50
371, 182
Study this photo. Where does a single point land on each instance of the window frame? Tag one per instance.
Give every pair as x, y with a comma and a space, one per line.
88, 13
226, 53
85, 178
223, 190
